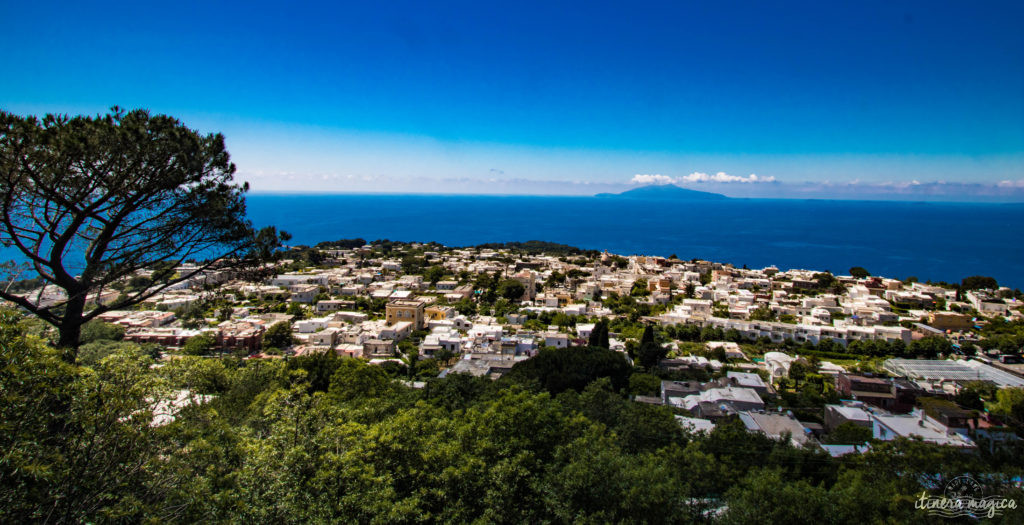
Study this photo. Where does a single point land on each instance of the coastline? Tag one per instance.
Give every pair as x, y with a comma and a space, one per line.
929, 240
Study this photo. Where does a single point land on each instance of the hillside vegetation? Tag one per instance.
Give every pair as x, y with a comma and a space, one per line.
323, 439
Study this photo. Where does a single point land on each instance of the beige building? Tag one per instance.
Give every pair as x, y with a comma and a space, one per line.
527, 279
950, 321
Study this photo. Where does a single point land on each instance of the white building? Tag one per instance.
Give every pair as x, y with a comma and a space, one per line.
738, 398
695, 425
887, 427
583, 331
292, 279
309, 326
555, 339
303, 293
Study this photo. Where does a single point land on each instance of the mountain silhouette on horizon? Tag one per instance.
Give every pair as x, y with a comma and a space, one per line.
664, 192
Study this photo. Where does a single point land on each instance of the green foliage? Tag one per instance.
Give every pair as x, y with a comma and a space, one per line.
78, 445
371, 305
798, 372
859, 272
296, 310
978, 282
764, 498
599, 336
279, 335
413, 265
644, 384
355, 379
622, 304
433, 274
572, 369
537, 248
597, 483
457, 391
974, 394
303, 257
511, 289
327, 440
21, 285
849, 433
319, 368
466, 307
648, 335
1009, 403
555, 279
91, 354
139, 190
202, 344
576, 273
534, 324
649, 354
762, 313
342, 244
1007, 337
199, 375
639, 289
930, 347
100, 331
824, 279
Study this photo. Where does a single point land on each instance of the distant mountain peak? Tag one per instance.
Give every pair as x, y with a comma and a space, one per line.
664, 192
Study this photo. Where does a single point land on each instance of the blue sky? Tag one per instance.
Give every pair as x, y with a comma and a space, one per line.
851, 99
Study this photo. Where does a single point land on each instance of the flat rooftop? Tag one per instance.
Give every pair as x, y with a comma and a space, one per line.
952, 370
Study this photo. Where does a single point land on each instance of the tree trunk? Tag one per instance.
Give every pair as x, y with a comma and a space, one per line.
71, 328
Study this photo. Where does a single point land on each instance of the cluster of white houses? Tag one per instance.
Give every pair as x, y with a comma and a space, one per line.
913, 405
753, 303
778, 332
742, 395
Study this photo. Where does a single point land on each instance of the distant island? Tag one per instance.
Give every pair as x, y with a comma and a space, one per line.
664, 192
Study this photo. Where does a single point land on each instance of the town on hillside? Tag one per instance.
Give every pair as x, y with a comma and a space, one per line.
833, 361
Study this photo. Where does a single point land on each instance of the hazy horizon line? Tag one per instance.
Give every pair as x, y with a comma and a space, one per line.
298, 193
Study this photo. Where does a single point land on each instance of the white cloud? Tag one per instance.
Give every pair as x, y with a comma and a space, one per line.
722, 176
651, 179
699, 178
1019, 183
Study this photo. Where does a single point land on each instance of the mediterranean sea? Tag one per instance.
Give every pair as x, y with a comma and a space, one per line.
928, 240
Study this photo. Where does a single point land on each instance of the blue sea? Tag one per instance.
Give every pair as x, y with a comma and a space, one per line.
931, 241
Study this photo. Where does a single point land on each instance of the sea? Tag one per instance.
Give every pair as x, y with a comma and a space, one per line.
928, 240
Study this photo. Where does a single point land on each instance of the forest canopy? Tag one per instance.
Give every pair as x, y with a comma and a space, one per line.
322, 438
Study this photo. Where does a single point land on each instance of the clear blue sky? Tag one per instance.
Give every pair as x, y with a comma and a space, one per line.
819, 98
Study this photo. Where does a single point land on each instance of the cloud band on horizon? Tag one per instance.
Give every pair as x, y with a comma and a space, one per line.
698, 177
1011, 190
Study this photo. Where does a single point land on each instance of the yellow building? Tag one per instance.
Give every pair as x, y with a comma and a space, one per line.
563, 298
438, 313
409, 310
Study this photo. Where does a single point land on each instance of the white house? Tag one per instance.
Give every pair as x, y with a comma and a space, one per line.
739, 398
308, 326
555, 339
584, 330
887, 427
303, 293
